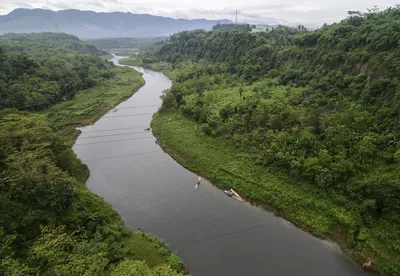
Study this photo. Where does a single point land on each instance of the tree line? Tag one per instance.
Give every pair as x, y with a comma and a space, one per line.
321, 105
50, 223
39, 70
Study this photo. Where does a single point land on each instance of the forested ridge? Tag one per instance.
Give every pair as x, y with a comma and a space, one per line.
321, 106
39, 70
47, 44
50, 223
125, 42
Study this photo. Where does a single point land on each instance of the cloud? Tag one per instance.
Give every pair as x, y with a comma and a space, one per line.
311, 13
23, 4
57, 5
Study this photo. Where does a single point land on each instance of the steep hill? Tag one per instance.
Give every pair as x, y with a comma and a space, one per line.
320, 107
125, 42
89, 24
38, 70
46, 43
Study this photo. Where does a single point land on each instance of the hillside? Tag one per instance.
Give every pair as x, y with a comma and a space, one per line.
308, 123
50, 223
39, 70
88, 24
125, 42
47, 44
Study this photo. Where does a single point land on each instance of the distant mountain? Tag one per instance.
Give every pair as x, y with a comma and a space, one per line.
89, 24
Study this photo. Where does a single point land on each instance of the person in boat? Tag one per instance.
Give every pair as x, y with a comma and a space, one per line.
197, 182
147, 129
157, 142
115, 110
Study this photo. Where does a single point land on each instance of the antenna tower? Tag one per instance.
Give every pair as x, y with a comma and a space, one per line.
236, 18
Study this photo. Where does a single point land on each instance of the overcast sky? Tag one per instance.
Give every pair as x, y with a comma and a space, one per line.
311, 13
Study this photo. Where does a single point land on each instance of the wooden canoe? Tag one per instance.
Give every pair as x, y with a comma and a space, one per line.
236, 195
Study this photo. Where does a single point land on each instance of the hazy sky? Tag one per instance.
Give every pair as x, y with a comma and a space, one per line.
311, 13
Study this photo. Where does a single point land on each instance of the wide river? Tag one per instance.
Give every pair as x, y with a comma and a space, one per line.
213, 233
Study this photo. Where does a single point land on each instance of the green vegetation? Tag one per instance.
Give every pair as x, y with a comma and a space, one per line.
39, 70
131, 61
126, 46
123, 51
47, 44
89, 105
106, 56
230, 166
165, 67
50, 223
305, 122
134, 268
116, 43
232, 26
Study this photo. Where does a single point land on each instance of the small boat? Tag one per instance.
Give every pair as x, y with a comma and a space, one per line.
233, 194
236, 195
228, 193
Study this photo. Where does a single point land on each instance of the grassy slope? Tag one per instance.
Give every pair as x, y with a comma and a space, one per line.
231, 167
322, 213
89, 105
164, 67
131, 61
107, 57
86, 107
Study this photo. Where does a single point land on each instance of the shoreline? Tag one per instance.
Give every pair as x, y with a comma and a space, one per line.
336, 236
142, 237
167, 148
98, 117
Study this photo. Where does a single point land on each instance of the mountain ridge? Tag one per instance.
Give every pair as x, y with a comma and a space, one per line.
90, 24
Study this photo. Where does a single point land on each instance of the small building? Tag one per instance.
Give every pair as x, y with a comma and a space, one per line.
261, 28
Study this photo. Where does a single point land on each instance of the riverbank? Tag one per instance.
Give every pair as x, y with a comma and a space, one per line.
85, 108
107, 57
89, 105
325, 215
131, 61
164, 67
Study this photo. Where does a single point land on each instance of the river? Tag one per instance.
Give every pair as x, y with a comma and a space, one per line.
212, 233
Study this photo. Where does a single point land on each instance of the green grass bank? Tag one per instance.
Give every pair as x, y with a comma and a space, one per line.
85, 108
322, 213
131, 61
164, 67
89, 105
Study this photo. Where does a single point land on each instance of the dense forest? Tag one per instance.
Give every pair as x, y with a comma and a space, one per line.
38, 70
321, 106
50, 224
125, 42
47, 44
